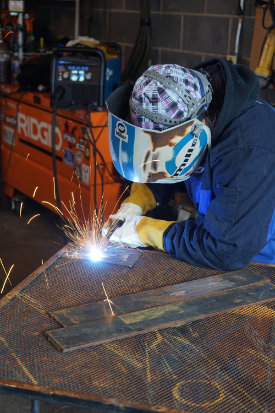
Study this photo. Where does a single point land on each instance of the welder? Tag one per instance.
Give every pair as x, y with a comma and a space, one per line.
204, 132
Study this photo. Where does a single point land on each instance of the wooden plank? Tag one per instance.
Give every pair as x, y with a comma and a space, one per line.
170, 315
152, 298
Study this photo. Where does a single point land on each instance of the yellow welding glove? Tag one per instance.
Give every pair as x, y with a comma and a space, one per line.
142, 196
150, 231
138, 231
140, 201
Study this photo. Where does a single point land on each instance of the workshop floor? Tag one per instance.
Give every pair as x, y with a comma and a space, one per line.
25, 246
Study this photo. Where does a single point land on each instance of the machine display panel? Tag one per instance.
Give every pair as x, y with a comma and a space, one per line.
74, 73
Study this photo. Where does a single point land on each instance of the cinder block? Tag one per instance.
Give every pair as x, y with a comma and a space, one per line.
188, 60
212, 36
99, 25
135, 5
155, 56
123, 27
62, 22
223, 7
230, 7
166, 30
184, 6
127, 51
107, 4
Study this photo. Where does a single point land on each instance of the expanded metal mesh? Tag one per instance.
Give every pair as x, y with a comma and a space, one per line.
223, 363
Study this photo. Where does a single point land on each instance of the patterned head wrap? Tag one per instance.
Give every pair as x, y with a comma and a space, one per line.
167, 95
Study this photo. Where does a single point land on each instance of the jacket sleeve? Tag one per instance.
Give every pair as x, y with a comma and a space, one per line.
237, 220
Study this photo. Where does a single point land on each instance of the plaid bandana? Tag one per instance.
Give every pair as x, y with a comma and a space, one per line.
152, 95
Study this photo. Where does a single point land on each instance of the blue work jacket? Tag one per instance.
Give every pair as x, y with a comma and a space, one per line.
234, 196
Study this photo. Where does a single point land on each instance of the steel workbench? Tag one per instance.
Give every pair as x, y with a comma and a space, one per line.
221, 363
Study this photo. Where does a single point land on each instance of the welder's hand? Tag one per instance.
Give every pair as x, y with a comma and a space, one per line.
127, 233
140, 201
125, 210
138, 231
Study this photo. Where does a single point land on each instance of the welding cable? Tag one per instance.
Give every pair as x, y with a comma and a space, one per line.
93, 142
98, 151
140, 58
12, 144
57, 95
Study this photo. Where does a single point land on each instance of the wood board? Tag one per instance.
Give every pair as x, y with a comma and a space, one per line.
153, 298
155, 318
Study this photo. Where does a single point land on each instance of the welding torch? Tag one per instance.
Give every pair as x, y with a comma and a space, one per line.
108, 230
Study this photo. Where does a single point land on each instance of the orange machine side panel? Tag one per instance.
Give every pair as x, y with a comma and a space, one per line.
27, 154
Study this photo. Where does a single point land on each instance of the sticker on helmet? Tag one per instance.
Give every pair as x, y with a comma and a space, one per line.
121, 131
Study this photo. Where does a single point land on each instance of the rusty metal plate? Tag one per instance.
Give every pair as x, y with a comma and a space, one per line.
224, 363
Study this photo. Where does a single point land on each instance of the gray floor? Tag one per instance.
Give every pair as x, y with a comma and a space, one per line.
25, 246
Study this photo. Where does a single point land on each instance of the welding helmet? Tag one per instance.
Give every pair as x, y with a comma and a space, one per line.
164, 139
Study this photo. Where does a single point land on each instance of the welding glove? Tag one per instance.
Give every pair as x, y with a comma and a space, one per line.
140, 201
139, 231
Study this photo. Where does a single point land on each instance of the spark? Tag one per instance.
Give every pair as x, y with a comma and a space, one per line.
6, 35
85, 234
108, 300
73, 198
34, 192
42, 262
27, 299
86, 237
7, 275
27, 156
30, 220
53, 206
26, 371
20, 212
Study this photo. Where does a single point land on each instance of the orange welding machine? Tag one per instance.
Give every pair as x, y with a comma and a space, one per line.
84, 166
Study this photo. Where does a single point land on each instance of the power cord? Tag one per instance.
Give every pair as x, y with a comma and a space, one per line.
57, 96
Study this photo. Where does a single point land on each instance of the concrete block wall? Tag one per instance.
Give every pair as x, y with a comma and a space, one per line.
183, 31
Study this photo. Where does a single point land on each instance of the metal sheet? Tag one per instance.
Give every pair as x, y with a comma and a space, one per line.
116, 255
